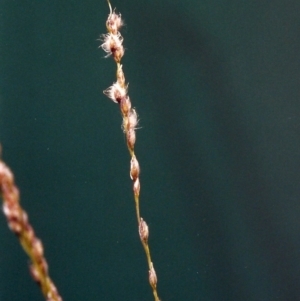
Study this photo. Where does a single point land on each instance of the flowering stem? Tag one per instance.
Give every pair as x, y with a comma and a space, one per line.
18, 223
113, 46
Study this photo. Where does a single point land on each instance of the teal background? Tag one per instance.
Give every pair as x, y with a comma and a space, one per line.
216, 86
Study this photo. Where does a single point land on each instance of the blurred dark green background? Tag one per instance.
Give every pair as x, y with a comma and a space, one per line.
217, 87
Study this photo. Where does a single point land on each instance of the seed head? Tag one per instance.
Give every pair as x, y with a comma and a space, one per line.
114, 22
120, 75
132, 119
116, 92
131, 137
152, 276
35, 273
143, 231
136, 187
134, 168
112, 45
125, 105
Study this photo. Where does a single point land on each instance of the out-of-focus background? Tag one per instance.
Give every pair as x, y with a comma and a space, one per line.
216, 85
